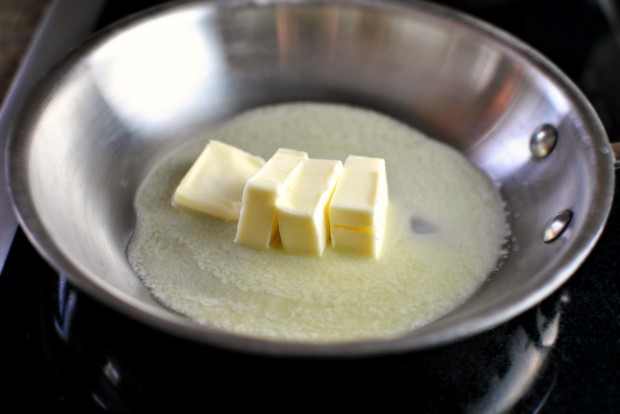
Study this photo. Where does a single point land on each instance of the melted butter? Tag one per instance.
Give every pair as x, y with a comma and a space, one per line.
447, 225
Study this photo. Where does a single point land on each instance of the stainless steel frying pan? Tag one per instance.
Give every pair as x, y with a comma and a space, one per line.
85, 142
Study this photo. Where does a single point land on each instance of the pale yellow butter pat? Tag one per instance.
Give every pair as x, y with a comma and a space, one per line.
302, 208
214, 183
358, 209
258, 224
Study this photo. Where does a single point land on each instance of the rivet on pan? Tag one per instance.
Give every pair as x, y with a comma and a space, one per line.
543, 141
556, 226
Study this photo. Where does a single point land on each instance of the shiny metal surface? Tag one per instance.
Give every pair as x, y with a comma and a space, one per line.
98, 123
557, 225
543, 141
43, 52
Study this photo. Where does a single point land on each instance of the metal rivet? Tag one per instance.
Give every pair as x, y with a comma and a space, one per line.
556, 226
543, 141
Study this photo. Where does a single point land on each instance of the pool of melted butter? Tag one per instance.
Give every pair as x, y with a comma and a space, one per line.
446, 228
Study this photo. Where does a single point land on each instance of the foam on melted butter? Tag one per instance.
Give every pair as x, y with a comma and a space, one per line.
447, 225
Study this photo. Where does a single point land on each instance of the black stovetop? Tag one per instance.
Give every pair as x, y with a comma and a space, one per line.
63, 351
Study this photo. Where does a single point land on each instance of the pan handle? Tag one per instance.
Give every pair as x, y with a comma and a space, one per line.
615, 147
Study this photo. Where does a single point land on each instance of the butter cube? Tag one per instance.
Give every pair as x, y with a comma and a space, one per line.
214, 183
302, 208
258, 224
358, 209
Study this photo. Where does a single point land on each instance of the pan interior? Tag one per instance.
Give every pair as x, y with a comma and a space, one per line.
433, 259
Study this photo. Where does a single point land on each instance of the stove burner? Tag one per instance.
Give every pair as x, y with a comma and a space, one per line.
76, 353
126, 367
